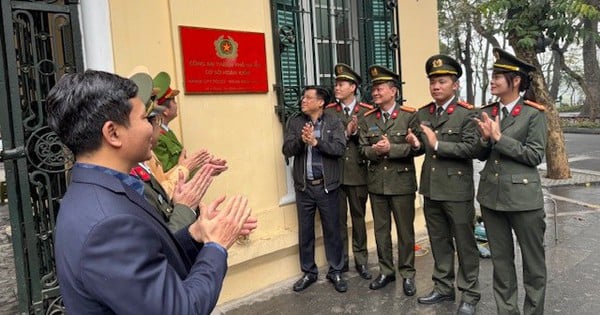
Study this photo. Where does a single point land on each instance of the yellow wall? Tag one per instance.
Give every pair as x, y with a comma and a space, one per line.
243, 128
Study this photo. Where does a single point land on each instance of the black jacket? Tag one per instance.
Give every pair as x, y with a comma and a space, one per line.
331, 145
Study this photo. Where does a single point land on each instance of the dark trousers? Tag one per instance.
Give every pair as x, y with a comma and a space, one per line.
356, 197
307, 202
449, 222
402, 208
529, 227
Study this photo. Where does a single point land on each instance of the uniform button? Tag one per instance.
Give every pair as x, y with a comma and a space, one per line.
347, 148
450, 131
525, 181
459, 173
347, 158
406, 169
385, 167
496, 174
433, 156
433, 169
385, 157
436, 131
496, 162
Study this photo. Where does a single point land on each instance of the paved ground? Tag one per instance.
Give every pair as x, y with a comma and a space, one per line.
573, 276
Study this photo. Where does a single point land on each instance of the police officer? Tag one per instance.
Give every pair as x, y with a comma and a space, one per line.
391, 177
449, 138
513, 142
354, 171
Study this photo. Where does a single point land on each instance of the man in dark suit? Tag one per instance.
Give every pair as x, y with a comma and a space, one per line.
316, 141
448, 139
114, 253
353, 191
513, 143
392, 181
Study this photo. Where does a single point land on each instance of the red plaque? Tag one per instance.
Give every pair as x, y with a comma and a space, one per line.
223, 61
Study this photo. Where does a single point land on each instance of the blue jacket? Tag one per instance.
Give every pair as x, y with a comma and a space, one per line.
115, 255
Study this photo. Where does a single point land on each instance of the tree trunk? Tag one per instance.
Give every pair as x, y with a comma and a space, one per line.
556, 75
556, 153
468, 66
591, 70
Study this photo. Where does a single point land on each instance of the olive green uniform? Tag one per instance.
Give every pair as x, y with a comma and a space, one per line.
510, 194
392, 185
448, 190
354, 186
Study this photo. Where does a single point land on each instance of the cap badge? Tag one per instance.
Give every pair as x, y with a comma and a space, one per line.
374, 72
339, 70
437, 63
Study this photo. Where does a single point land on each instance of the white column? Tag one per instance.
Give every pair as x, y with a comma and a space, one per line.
96, 32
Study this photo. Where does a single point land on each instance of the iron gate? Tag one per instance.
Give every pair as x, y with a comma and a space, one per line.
41, 40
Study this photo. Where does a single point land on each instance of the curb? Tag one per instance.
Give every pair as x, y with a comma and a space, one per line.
590, 131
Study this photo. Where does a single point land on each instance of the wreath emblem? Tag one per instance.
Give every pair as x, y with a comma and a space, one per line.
226, 47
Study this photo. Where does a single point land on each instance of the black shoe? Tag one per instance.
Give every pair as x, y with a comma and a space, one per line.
465, 309
338, 282
381, 281
434, 297
363, 272
305, 282
408, 284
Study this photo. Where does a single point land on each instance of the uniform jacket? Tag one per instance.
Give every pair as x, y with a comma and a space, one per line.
392, 174
331, 145
176, 215
354, 169
510, 180
168, 149
447, 174
115, 255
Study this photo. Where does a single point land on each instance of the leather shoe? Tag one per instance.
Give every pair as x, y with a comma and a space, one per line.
434, 297
304, 282
465, 309
408, 284
381, 281
339, 283
363, 272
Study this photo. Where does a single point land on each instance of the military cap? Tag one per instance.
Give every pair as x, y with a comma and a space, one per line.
442, 65
380, 74
163, 82
145, 92
344, 72
506, 62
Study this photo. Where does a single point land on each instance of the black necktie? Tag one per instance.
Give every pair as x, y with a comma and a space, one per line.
386, 117
439, 111
504, 112
347, 111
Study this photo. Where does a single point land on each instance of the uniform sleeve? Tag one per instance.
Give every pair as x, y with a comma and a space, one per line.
167, 152
466, 148
124, 265
181, 217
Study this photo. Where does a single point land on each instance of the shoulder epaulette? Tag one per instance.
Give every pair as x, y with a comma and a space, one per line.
408, 109
370, 112
465, 105
535, 105
365, 105
331, 105
489, 105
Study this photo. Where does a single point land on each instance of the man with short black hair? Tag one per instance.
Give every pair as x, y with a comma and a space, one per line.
316, 141
114, 253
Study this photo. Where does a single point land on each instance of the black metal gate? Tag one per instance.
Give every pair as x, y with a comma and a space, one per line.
41, 40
